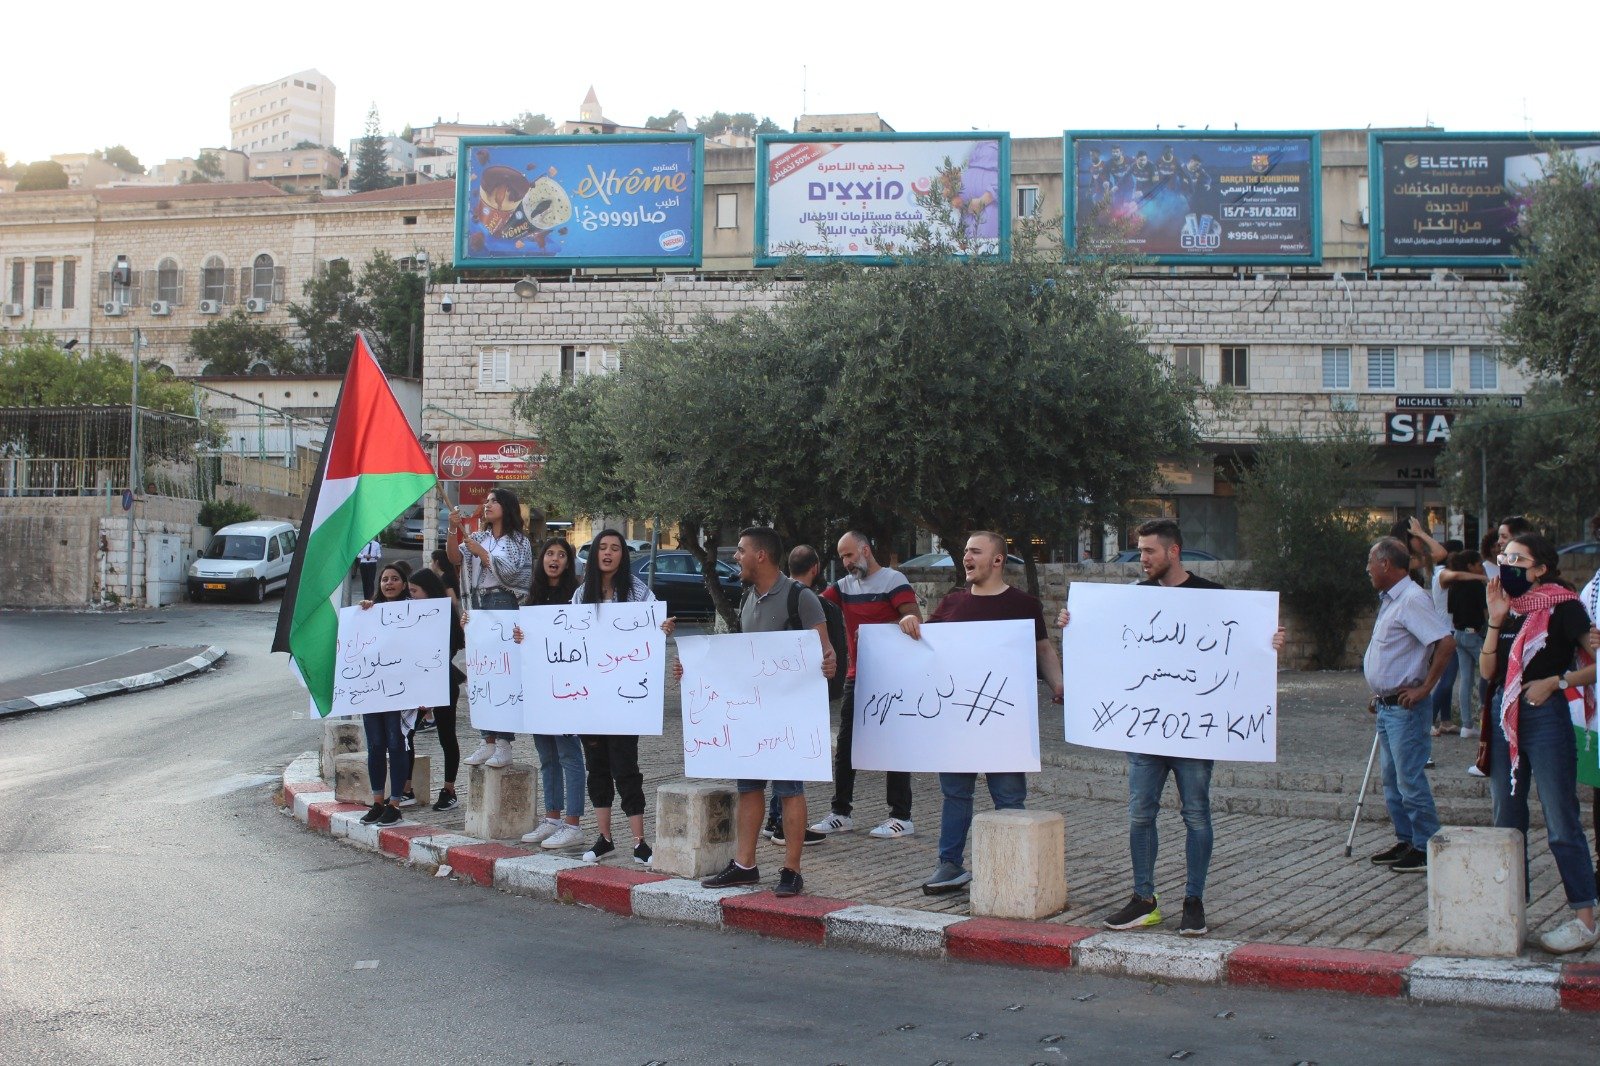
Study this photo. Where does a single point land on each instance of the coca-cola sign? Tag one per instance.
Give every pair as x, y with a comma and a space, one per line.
489, 460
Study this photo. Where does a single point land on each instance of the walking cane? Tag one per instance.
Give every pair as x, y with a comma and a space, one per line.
1361, 796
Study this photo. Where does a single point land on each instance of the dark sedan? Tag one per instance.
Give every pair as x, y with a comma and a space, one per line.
679, 581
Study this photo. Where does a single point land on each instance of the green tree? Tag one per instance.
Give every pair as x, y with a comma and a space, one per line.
532, 123
667, 122
392, 295
1304, 531
234, 344
46, 174
371, 164
207, 168
119, 156
36, 372
330, 316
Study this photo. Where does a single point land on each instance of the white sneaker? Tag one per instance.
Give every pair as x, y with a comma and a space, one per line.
481, 756
501, 757
564, 837
894, 827
1571, 935
834, 823
1475, 772
1467, 732
545, 830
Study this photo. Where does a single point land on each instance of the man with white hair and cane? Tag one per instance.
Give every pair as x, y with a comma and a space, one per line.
1404, 661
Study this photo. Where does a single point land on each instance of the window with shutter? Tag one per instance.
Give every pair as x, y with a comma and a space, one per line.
494, 367
279, 281
167, 281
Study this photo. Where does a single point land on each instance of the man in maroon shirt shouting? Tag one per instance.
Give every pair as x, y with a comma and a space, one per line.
987, 598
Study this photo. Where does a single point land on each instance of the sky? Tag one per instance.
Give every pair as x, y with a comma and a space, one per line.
159, 80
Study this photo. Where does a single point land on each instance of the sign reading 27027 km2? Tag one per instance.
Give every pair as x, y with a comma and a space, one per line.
579, 201
1172, 197
1186, 672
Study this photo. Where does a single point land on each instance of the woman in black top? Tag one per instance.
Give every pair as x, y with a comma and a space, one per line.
1464, 600
388, 755
425, 585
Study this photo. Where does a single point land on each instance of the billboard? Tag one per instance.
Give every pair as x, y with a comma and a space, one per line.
1454, 199
855, 195
559, 202
489, 460
1196, 197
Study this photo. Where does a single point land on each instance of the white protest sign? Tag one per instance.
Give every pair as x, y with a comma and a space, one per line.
1187, 672
392, 657
963, 699
755, 705
596, 668
494, 673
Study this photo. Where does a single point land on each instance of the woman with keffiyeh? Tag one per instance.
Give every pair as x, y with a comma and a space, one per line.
1530, 606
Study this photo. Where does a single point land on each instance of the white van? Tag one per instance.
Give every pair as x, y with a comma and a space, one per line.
246, 558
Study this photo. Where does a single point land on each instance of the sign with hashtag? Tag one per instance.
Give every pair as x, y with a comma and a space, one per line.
1171, 671
963, 699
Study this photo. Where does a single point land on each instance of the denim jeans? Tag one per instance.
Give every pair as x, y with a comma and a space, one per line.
1147, 776
387, 752
561, 772
1444, 691
1404, 744
1007, 790
1469, 642
1549, 751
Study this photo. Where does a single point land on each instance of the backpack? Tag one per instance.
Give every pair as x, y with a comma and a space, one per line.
836, 636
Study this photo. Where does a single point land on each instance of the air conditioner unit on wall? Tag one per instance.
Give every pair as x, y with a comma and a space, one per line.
161, 307
210, 307
256, 305
12, 310
113, 309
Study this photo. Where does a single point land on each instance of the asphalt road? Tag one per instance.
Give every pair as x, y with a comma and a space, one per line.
155, 907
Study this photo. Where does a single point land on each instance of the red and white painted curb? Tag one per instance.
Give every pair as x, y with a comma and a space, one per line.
1042, 945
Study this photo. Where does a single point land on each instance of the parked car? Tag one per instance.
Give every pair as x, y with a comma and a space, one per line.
410, 531
943, 559
1583, 547
247, 559
680, 583
1190, 555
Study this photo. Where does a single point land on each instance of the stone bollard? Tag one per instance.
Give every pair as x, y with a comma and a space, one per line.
422, 779
350, 784
1477, 903
694, 829
500, 803
1019, 864
339, 736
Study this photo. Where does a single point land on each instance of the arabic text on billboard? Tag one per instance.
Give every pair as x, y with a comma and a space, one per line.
584, 200
1451, 199
1197, 197
858, 197
489, 460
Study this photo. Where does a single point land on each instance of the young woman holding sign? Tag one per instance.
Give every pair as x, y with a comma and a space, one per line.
560, 756
387, 753
425, 585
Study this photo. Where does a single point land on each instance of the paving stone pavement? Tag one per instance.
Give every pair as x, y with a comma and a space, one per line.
1274, 877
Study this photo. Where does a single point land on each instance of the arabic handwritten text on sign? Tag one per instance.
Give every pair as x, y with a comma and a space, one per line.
392, 657
494, 673
594, 668
1186, 672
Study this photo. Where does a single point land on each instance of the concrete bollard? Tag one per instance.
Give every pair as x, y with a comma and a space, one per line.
340, 736
500, 803
422, 779
694, 829
350, 783
1019, 864
1477, 902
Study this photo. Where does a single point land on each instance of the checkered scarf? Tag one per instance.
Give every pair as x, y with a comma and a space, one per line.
1534, 606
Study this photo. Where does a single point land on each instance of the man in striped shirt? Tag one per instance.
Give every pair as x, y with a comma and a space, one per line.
868, 594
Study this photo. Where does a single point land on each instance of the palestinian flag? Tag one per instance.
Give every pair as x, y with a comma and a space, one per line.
373, 468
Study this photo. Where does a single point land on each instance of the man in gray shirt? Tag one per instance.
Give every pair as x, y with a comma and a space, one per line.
1409, 648
767, 609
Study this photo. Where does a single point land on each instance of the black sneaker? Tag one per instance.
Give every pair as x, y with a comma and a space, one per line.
408, 799
734, 874
446, 802
642, 853
773, 827
391, 814
790, 883
602, 847
426, 724
1392, 855
1139, 912
811, 837
1194, 917
374, 814
1414, 862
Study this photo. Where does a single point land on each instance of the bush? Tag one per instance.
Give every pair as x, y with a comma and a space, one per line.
214, 514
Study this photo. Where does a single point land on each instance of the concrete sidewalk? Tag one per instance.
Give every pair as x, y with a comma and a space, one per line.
1278, 873
132, 671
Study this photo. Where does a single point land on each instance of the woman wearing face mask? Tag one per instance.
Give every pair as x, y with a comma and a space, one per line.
387, 752
1535, 628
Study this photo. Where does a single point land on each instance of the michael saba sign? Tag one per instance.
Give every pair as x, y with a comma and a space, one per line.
1427, 419
1193, 197
1455, 199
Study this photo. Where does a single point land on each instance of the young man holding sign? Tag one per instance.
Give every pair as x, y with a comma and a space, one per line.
1161, 558
766, 610
987, 598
